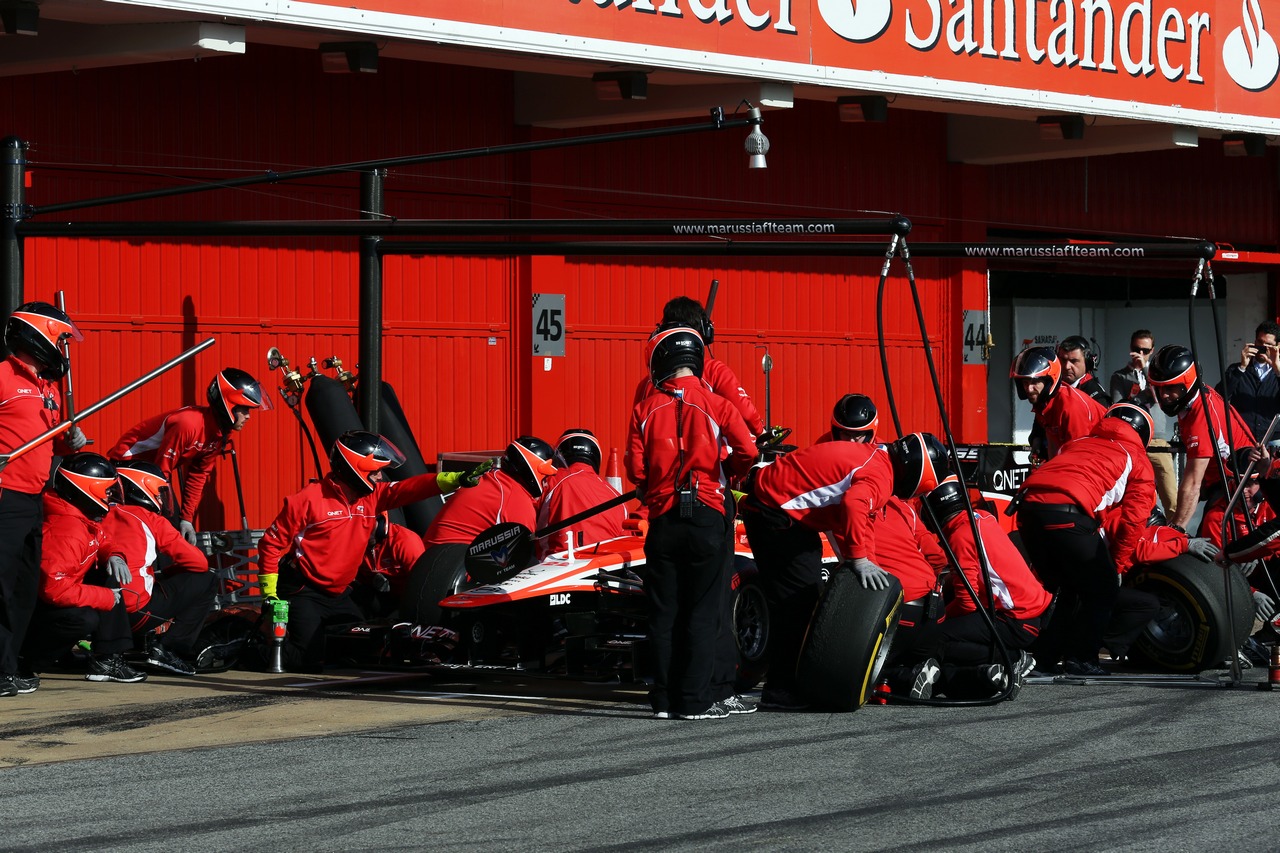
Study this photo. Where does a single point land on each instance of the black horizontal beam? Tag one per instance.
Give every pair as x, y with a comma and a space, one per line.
693, 228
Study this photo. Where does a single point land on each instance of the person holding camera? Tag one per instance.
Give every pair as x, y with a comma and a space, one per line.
1252, 385
1129, 384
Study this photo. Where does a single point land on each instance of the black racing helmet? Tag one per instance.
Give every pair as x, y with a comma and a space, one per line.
1036, 363
944, 502
580, 445
919, 464
854, 419
1136, 417
529, 461
689, 313
37, 329
358, 455
88, 482
143, 484
233, 387
1174, 366
672, 349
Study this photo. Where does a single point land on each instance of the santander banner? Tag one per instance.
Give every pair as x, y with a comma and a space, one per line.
1209, 63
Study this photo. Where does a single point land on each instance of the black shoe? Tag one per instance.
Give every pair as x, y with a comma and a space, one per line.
27, 683
1071, 666
113, 668
716, 711
161, 658
739, 704
923, 676
7, 686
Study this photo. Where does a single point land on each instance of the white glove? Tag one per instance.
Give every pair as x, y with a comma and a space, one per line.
1263, 605
119, 570
869, 574
1202, 549
119, 597
188, 531
75, 439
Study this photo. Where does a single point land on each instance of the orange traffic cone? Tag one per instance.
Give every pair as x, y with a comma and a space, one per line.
612, 475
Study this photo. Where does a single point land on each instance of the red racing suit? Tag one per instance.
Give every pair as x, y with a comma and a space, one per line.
1194, 432
393, 557
707, 422
570, 491
720, 379
836, 487
28, 407
73, 544
906, 550
1069, 414
1106, 469
188, 438
497, 498
142, 536
324, 530
1014, 588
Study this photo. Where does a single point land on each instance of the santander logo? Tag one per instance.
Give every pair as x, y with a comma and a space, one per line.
1249, 52
857, 20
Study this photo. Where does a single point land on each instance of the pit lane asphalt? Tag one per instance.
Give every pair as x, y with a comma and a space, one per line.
353, 761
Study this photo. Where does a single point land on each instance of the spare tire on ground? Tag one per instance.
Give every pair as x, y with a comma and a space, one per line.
848, 641
1193, 629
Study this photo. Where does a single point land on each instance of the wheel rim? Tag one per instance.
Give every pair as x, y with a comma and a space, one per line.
1173, 631
751, 621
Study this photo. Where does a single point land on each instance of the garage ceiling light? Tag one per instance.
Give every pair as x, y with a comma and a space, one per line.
1244, 145
349, 57
621, 85
20, 20
863, 108
1061, 127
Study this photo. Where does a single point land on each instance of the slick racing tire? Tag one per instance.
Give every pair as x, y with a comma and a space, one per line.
439, 573
224, 638
1192, 630
750, 611
848, 641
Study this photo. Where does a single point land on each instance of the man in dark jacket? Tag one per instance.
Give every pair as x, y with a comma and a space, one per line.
1253, 385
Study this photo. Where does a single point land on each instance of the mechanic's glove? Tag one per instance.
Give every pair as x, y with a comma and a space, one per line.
380, 582
118, 595
1202, 549
450, 481
75, 439
771, 436
269, 584
119, 570
188, 531
869, 574
1263, 605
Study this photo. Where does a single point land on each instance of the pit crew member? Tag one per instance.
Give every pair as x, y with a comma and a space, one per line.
576, 487
1063, 412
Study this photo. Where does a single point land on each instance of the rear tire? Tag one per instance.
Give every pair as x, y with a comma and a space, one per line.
750, 625
1192, 630
848, 641
439, 573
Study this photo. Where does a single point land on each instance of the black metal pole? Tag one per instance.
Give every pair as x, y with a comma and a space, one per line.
13, 163
370, 366
716, 122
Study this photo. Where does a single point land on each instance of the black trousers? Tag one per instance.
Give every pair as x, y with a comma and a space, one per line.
916, 638
20, 539
789, 557
1070, 555
311, 611
967, 640
184, 599
55, 629
684, 585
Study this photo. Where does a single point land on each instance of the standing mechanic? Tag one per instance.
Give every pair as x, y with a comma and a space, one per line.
834, 486
574, 488
35, 335
311, 552
674, 454
508, 492
180, 596
1062, 412
78, 599
1181, 392
189, 440
1060, 516
1079, 364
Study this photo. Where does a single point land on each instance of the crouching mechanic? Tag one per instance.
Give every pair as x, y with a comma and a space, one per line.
392, 553
1060, 516
508, 492
311, 552
1017, 598
574, 488
181, 595
187, 442
674, 446
77, 599
834, 486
